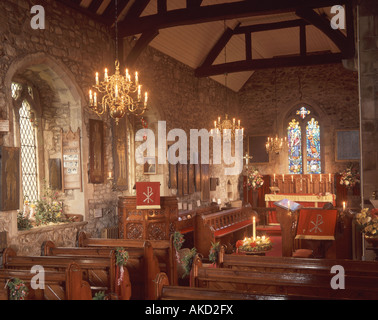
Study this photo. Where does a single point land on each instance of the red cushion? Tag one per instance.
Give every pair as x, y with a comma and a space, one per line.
186, 230
302, 253
232, 228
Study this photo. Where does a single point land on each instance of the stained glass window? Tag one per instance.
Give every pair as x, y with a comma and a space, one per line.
303, 112
313, 147
295, 147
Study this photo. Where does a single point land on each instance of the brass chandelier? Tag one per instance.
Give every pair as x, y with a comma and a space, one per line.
117, 93
227, 124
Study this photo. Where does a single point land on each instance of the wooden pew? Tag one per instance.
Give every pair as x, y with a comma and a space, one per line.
287, 283
99, 272
58, 285
289, 264
161, 250
143, 265
163, 291
225, 226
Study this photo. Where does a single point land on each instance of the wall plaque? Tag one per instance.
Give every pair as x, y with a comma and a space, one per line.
4, 125
71, 160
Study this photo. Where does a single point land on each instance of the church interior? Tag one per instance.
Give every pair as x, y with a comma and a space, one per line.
189, 149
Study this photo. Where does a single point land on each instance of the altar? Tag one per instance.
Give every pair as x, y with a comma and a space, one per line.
306, 200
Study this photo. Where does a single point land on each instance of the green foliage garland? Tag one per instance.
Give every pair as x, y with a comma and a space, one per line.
17, 289
214, 252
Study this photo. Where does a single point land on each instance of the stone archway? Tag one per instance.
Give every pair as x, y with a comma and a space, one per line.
60, 108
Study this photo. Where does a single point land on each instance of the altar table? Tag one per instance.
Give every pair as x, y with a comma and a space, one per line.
306, 200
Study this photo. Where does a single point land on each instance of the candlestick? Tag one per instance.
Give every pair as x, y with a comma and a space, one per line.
343, 205
110, 175
254, 228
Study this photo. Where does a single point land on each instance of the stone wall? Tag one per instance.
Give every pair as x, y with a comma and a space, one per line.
59, 62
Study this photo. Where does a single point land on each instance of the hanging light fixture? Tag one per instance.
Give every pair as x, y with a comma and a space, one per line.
227, 124
117, 93
275, 144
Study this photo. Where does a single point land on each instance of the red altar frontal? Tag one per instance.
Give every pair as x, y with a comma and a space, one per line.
306, 200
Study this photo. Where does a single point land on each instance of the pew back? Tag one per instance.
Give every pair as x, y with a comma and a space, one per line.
57, 285
293, 283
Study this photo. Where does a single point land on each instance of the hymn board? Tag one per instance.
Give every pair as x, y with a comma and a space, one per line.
71, 159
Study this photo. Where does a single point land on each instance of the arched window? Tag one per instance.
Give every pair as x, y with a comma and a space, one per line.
304, 143
27, 143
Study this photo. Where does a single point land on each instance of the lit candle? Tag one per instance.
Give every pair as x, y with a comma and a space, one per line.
136, 78
95, 99
218, 119
145, 99
320, 178
233, 121
311, 177
110, 174
283, 177
343, 205
139, 94
239, 123
274, 177
329, 177
254, 228
106, 75
97, 81
292, 178
215, 124
90, 96
127, 74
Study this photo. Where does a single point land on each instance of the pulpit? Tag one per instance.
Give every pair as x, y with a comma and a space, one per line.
147, 224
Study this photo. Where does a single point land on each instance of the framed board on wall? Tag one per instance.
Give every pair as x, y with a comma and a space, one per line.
96, 151
9, 178
256, 149
347, 145
71, 160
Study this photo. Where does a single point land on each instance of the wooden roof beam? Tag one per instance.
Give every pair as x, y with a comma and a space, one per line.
216, 12
140, 45
323, 24
277, 62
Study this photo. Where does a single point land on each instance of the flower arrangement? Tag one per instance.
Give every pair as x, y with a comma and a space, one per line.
350, 177
49, 209
254, 179
214, 252
17, 289
368, 222
23, 222
257, 244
